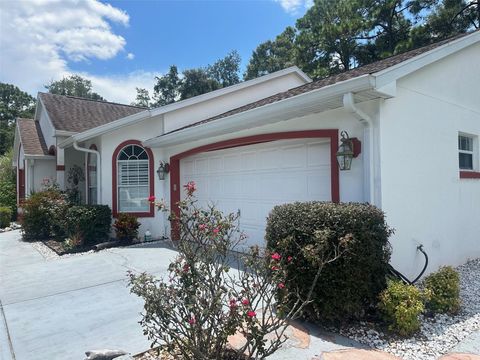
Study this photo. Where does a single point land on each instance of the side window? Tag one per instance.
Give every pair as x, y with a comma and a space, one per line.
467, 152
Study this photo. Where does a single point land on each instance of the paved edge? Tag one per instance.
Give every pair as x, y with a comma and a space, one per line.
5, 339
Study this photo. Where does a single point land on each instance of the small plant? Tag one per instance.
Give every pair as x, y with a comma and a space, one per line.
126, 228
90, 223
211, 292
401, 306
5, 216
444, 286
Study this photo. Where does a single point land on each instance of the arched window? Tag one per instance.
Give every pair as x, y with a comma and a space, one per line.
133, 179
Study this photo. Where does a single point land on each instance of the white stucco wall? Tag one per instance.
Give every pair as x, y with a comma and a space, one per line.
72, 158
424, 198
47, 129
351, 182
42, 169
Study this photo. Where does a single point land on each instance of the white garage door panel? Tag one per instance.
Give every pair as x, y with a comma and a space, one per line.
255, 178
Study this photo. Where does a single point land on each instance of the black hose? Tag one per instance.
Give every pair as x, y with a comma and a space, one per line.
397, 274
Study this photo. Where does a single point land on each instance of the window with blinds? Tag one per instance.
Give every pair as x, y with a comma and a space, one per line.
133, 179
92, 179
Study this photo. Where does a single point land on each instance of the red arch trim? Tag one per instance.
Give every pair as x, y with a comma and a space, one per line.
332, 134
151, 212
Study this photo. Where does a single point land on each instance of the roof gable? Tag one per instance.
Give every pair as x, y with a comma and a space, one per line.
73, 114
31, 137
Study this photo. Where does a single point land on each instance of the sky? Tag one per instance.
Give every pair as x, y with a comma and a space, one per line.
123, 44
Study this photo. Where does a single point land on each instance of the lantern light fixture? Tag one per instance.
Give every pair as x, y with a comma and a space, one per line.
349, 148
163, 170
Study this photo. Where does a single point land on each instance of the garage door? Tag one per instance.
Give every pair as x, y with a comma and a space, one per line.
255, 178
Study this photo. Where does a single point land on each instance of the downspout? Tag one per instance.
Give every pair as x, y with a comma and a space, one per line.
365, 119
99, 168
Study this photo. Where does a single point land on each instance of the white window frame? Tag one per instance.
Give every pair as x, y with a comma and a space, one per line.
92, 179
119, 182
473, 152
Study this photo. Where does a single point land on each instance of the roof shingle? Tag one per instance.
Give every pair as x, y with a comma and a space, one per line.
31, 137
69, 113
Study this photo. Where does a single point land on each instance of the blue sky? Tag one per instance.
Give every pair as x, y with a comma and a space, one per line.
121, 45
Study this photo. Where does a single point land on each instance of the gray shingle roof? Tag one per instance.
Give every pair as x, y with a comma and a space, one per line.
69, 113
347, 75
31, 137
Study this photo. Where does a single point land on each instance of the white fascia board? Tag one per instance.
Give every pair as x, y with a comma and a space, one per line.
262, 115
229, 89
102, 129
64, 133
16, 141
40, 157
406, 67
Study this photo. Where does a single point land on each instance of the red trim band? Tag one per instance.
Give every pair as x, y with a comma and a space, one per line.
469, 175
151, 212
175, 186
60, 167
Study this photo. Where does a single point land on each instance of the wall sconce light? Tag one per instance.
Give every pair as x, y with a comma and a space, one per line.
349, 148
163, 169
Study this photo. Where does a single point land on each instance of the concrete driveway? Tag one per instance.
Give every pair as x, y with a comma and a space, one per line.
58, 309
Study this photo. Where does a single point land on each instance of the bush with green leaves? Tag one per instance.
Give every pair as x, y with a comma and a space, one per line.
212, 292
8, 187
401, 305
5, 216
350, 286
126, 227
88, 224
444, 286
42, 212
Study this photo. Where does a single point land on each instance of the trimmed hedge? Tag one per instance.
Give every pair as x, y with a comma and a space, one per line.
5, 216
90, 223
444, 285
349, 286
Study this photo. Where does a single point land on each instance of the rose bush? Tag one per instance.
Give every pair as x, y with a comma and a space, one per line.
212, 292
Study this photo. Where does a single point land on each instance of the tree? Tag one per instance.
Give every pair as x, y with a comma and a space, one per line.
13, 103
226, 71
167, 88
272, 56
197, 82
73, 85
142, 99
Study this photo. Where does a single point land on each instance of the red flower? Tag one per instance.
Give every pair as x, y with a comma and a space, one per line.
192, 321
245, 302
190, 187
202, 226
251, 314
289, 258
151, 198
233, 303
186, 268
274, 268
216, 230
276, 256
281, 285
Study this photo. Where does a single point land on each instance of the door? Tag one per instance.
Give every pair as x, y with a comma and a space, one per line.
255, 178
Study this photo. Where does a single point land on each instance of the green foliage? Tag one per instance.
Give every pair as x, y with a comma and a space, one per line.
42, 212
197, 82
88, 224
73, 85
5, 216
311, 231
13, 103
8, 192
401, 306
204, 299
444, 286
126, 227
142, 99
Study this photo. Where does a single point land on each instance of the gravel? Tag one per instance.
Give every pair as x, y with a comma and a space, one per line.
438, 335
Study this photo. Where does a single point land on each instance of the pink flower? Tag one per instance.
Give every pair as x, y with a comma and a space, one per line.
289, 258
276, 256
251, 314
233, 303
202, 226
151, 198
281, 285
192, 321
190, 187
186, 268
245, 302
216, 230
275, 268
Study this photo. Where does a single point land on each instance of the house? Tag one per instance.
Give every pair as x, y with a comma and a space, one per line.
413, 120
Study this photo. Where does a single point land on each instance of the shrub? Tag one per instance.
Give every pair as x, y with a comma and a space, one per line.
88, 224
126, 227
8, 196
202, 301
5, 216
401, 306
348, 287
444, 286
41, 214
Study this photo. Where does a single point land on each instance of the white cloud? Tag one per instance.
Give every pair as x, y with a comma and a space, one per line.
130, 56
38, 39
294, 7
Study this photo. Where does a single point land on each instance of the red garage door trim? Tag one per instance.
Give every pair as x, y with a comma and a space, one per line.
331, 134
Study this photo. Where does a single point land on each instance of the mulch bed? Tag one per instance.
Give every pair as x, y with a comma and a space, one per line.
60, 249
